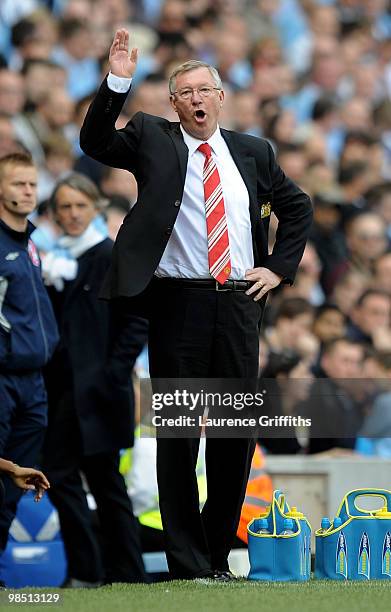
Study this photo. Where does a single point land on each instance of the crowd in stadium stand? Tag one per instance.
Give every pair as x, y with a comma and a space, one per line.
311, 76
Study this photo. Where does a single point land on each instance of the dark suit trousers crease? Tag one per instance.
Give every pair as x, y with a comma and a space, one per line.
119, 559
197, 333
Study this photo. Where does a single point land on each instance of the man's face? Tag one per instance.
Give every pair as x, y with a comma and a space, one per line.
344, 361
11, 93
18, 183
57, 109
291, 330
74, 210
330, 324
366, 237
198, 114
374, 313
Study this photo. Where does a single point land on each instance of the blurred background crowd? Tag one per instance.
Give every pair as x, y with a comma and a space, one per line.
311, 76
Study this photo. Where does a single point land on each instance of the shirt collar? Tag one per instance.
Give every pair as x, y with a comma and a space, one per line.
215, 141
19, 236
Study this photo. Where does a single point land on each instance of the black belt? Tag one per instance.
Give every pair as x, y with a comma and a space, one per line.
204, 283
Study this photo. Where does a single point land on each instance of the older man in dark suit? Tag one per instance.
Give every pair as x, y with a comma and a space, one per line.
193, 254
90, 396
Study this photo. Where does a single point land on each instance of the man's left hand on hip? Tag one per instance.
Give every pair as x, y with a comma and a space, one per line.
264, 280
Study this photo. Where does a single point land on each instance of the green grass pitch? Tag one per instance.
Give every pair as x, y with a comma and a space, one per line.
241, 596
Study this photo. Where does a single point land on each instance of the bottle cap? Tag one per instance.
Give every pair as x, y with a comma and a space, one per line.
383, 512
288, 524
265, 512
263, 524
325, 524
294, 513
337, 522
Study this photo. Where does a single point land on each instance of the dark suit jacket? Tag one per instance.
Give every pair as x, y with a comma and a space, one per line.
153, 149
93, 360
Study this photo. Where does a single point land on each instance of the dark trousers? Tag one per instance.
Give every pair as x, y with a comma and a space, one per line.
198, 333
119, 559
23, 417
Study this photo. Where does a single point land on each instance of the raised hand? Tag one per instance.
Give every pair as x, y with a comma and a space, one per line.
121, 63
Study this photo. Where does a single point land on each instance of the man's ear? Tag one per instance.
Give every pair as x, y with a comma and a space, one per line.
173, 103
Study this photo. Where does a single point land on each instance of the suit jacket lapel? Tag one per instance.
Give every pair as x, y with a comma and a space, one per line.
248, 170
181, 149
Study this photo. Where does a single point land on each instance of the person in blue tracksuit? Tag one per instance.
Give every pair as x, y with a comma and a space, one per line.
28, 330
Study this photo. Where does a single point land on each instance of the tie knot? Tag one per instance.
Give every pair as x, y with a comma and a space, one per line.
205, 149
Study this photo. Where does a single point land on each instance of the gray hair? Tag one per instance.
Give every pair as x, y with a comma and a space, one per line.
81, 183
193, 65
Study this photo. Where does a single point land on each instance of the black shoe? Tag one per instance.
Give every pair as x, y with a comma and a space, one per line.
226, 576
217, 576
2, 586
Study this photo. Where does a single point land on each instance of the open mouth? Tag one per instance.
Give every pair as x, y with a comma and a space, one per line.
200, 115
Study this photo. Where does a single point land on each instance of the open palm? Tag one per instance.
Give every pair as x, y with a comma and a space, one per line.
121, 63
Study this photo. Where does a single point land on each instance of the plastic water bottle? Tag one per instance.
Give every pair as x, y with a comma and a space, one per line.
337, 522
287, 527
325, 524
263, 527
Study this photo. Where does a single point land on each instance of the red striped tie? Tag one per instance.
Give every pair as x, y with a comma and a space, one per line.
216, 222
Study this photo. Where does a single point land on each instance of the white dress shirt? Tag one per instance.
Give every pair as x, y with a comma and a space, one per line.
186, 253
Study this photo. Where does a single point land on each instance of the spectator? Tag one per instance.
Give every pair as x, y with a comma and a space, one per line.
40, 76
377, 424
74, 54
307, 283
329, 323
53, 114
371, 319
58, 163
354, 181
12, 95
32, 38
335, 414
88, 377
380, 201
151, 98
116, 182
366, 148
327, 236
287, 380
247, 118
292, 160
292, 319
366, 240
348, 289
382, 276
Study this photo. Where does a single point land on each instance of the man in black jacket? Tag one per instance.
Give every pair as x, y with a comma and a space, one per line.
193, 253
28, 330
90, 396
